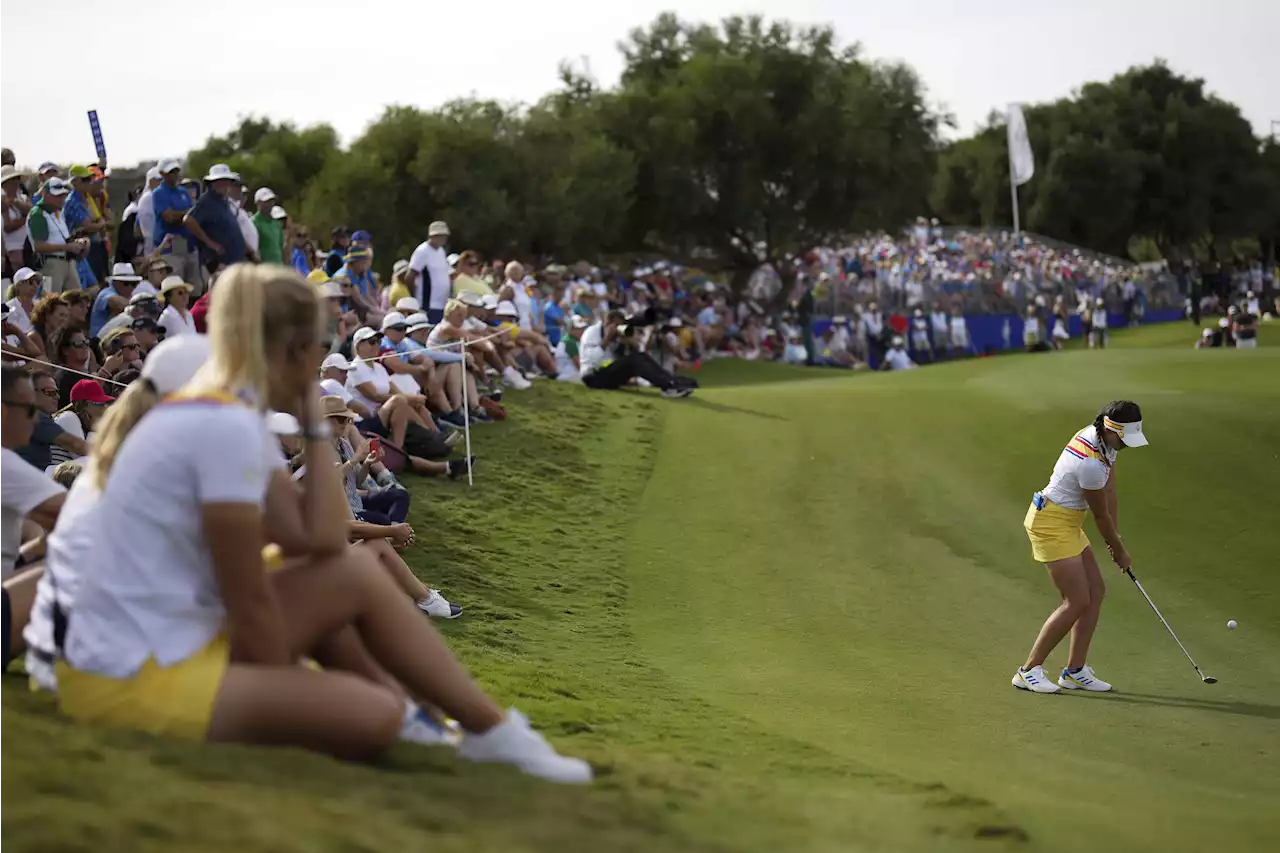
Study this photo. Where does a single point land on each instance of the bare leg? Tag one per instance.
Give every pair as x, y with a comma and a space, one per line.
545, 361
352, 589
1069, 577
398, 570
435, 393
22, 595
473, 396
394, 415
1082, 631
427, 467
453, 385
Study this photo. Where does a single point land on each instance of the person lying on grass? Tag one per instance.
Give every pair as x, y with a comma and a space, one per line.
180, 631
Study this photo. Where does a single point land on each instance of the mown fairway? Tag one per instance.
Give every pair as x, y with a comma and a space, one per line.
783, 615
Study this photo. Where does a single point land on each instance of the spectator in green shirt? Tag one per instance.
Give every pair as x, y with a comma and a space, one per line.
270, 231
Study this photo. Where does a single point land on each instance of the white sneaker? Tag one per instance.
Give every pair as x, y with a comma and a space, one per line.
512, 379
513, 741
418, 727
1035, 680
436, 605
1083, 680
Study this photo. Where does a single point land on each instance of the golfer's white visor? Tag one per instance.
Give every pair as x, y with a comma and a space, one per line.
1131, 434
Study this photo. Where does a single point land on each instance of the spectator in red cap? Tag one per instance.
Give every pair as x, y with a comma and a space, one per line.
88, 404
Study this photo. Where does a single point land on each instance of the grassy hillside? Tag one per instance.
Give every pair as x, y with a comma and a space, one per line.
782, 615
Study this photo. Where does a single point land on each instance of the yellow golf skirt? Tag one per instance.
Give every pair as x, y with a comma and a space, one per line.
173, 702
1056, 532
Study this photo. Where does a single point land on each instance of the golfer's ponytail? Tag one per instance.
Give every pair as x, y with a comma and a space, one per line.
138, 399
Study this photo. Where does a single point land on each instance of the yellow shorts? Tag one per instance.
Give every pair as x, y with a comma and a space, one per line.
1056, 532
512, 328
173, 702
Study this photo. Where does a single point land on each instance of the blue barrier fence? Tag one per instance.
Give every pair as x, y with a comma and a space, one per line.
1003, 332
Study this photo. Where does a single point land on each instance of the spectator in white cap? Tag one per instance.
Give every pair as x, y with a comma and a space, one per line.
114, 298
26, 285
414, 373
568, 367
171, 202
176, 318
16, 208
146, 222
429, 276
407, 305
270, 229
51, 238
449, 333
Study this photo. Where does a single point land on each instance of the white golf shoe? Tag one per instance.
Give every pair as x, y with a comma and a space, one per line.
1036, 680
513, 741
1082, 680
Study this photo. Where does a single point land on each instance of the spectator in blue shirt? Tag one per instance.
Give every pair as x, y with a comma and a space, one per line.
171, 201
114, 298
213, 219
553, 321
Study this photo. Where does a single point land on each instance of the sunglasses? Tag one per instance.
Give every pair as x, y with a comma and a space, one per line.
130, 346
81, 344
48, 392
29, 408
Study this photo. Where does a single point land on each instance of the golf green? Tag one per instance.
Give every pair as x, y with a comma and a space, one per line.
783, 615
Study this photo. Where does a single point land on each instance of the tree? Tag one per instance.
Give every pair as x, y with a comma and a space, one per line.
267, 154
758, 141
1148, 155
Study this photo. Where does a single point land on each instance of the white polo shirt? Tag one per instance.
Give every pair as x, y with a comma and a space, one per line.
18, 315
368, 371
152, 591
1080, 466
434, 284
71, 551
176, 324
147, 220
23, 487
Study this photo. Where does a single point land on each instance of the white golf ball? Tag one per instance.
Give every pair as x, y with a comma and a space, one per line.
1231, 623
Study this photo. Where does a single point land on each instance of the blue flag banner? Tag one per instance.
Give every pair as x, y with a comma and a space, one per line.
96, 128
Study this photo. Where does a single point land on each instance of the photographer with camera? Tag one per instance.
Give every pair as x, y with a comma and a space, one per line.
612, 355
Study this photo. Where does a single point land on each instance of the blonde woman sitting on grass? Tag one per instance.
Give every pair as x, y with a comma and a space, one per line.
179, 630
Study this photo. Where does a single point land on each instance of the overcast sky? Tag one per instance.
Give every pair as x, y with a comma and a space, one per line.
341, 62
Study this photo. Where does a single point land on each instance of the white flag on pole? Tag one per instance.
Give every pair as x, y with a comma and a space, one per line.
1022, 164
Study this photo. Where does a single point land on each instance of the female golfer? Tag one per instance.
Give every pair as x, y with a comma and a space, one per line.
1084, 477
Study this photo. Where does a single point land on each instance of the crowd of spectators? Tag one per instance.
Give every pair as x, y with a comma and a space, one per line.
285, 389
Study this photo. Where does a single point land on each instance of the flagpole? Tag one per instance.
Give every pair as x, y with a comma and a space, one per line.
1013, 191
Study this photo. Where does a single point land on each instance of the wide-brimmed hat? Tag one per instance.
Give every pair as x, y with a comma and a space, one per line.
507, 308
142, 296
489, 301
332, 406
358, 253
124, 273
471, 299
8, 173
399, 266
408, 305
392, 320
438, 229
175, 282
221, 172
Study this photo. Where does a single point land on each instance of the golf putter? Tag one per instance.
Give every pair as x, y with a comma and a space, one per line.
1207, 679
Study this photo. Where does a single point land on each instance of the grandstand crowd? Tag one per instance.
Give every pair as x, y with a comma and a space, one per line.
208, 359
